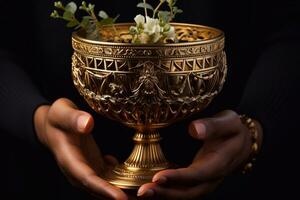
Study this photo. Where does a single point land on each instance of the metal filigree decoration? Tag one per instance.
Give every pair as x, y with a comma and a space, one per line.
149, 87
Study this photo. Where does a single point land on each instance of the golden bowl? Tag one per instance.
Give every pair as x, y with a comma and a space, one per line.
147, 87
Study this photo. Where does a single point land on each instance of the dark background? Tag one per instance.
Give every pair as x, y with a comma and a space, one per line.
42, 45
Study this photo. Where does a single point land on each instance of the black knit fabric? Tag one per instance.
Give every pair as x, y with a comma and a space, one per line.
18, 98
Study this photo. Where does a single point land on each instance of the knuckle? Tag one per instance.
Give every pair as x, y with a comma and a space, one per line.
58, 102
62, 100
234, 118
233, 115
51, 116
55, 107
229, 112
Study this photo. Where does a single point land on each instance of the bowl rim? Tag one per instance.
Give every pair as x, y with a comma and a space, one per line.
76, 35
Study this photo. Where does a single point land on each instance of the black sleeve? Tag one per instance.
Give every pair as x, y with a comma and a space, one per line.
18, 100
19, 97
272, 93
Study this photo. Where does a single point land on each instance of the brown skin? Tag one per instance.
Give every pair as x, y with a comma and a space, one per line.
65, 131
227, 146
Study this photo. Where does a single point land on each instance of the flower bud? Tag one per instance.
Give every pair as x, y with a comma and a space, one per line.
58, 4
139, 20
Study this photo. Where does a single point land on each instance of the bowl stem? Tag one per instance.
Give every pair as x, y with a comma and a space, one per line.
145, 160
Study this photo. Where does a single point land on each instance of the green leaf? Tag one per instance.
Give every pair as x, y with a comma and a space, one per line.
145, 5
177, 10
103, 14
92, 32
167, 27
164, 16
91, 6
84, 6
72, 24
172, 2
107, 21
54, 14
58, 4
133, 30
71, 7
68, 16
85, 22
87, 17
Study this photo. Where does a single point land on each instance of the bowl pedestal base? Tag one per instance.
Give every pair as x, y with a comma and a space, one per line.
144, 162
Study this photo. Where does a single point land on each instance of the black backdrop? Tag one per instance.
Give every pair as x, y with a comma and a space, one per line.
28, 171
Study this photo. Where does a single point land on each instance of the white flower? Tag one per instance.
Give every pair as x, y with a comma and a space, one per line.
149, 30
139, 20
152, 26
170, 34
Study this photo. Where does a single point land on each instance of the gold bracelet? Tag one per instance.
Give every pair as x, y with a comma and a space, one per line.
249, 123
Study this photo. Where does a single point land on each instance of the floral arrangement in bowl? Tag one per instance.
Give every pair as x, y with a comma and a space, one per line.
152, 27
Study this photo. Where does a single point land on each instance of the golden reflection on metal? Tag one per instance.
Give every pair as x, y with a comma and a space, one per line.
147, 87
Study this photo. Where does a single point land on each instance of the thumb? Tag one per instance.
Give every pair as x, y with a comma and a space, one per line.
223, 124
64, 114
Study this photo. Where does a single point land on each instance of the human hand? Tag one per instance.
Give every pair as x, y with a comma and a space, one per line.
227, 146
65, 131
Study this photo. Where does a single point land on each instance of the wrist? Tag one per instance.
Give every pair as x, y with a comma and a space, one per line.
40, 117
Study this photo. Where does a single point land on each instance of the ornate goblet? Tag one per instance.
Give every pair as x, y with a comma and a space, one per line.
147, 87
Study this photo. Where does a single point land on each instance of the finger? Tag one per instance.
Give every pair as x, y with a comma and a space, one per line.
176, 193
209, 168
211, 165
86, 178
223, 124
65, 115
100, 188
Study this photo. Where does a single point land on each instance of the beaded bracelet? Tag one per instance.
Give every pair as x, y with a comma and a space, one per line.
249, 123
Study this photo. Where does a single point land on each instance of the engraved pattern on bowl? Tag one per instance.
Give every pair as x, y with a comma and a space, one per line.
150, 86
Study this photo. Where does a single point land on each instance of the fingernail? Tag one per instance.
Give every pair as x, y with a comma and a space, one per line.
200, 130
159, 180
147, 193
82, 122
